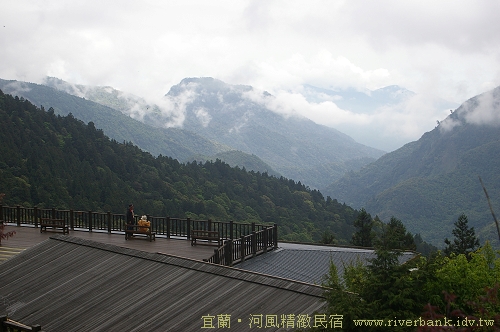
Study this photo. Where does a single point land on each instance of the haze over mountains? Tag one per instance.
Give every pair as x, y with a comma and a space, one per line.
173, 142
220, 117
430, 182
386, 118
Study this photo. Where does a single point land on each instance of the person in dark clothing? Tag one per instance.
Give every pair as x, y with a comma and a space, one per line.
130, 217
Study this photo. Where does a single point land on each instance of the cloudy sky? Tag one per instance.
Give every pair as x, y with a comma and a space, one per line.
447, 49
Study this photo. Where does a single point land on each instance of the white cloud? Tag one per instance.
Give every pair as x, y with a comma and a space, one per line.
448, 49
448, 124
387, 127
175, 107
15, 88
203, 116
484, 110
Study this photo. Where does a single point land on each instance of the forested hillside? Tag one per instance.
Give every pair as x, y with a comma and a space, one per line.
239, 117
173, 142
51, 161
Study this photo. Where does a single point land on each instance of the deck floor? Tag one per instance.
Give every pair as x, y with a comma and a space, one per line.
27, 237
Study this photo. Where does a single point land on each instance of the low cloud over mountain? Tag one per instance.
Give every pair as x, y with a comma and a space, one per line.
430, 182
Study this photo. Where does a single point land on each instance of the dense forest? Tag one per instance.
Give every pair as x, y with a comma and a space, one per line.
51, 161
457, 289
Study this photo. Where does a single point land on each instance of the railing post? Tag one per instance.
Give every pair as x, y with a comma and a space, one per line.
265, 238
18, 215
242, 249
188, 220
3, 318
90, 221
36, 328
109, 222
1, 212
216, 256
168, 227
209, 225
254, 244
275, 236
253, 227
72, 219
231, 229
53, 211
229, 252
35, 216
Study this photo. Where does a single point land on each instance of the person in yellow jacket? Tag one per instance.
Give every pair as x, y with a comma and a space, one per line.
144, 224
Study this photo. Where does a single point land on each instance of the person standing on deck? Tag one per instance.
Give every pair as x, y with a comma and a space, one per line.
130, 217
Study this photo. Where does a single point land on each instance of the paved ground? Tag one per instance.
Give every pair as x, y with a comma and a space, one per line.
26, 237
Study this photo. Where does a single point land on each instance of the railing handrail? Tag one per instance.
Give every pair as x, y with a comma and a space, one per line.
107, 221
242, 239
7, 324
235, 251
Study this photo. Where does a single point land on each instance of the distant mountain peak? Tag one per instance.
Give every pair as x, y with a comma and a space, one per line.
205, 85
394, 91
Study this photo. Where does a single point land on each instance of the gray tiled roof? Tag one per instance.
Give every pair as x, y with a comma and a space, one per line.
309, 263
69, 284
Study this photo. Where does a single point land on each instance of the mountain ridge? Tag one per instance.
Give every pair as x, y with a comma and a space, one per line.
237, 116
429, 182
164, 141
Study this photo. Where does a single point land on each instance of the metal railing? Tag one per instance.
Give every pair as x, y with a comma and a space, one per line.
247, 246
8, 325
110, 222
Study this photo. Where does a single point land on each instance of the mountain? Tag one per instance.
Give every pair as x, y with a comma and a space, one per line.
374, 107
172, 142
131, 122
127, 103
240, 117
430, 182
48, 160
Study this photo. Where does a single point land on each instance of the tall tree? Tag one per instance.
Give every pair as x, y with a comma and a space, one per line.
364, 234
395, 236
465, 240
327, 237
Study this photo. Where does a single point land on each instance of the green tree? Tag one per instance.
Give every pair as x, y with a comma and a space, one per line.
364, 234
428, 288
423, 247
465, 240
341, 301
395, 236
470, 284
382, 290
327, 237
391, 289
